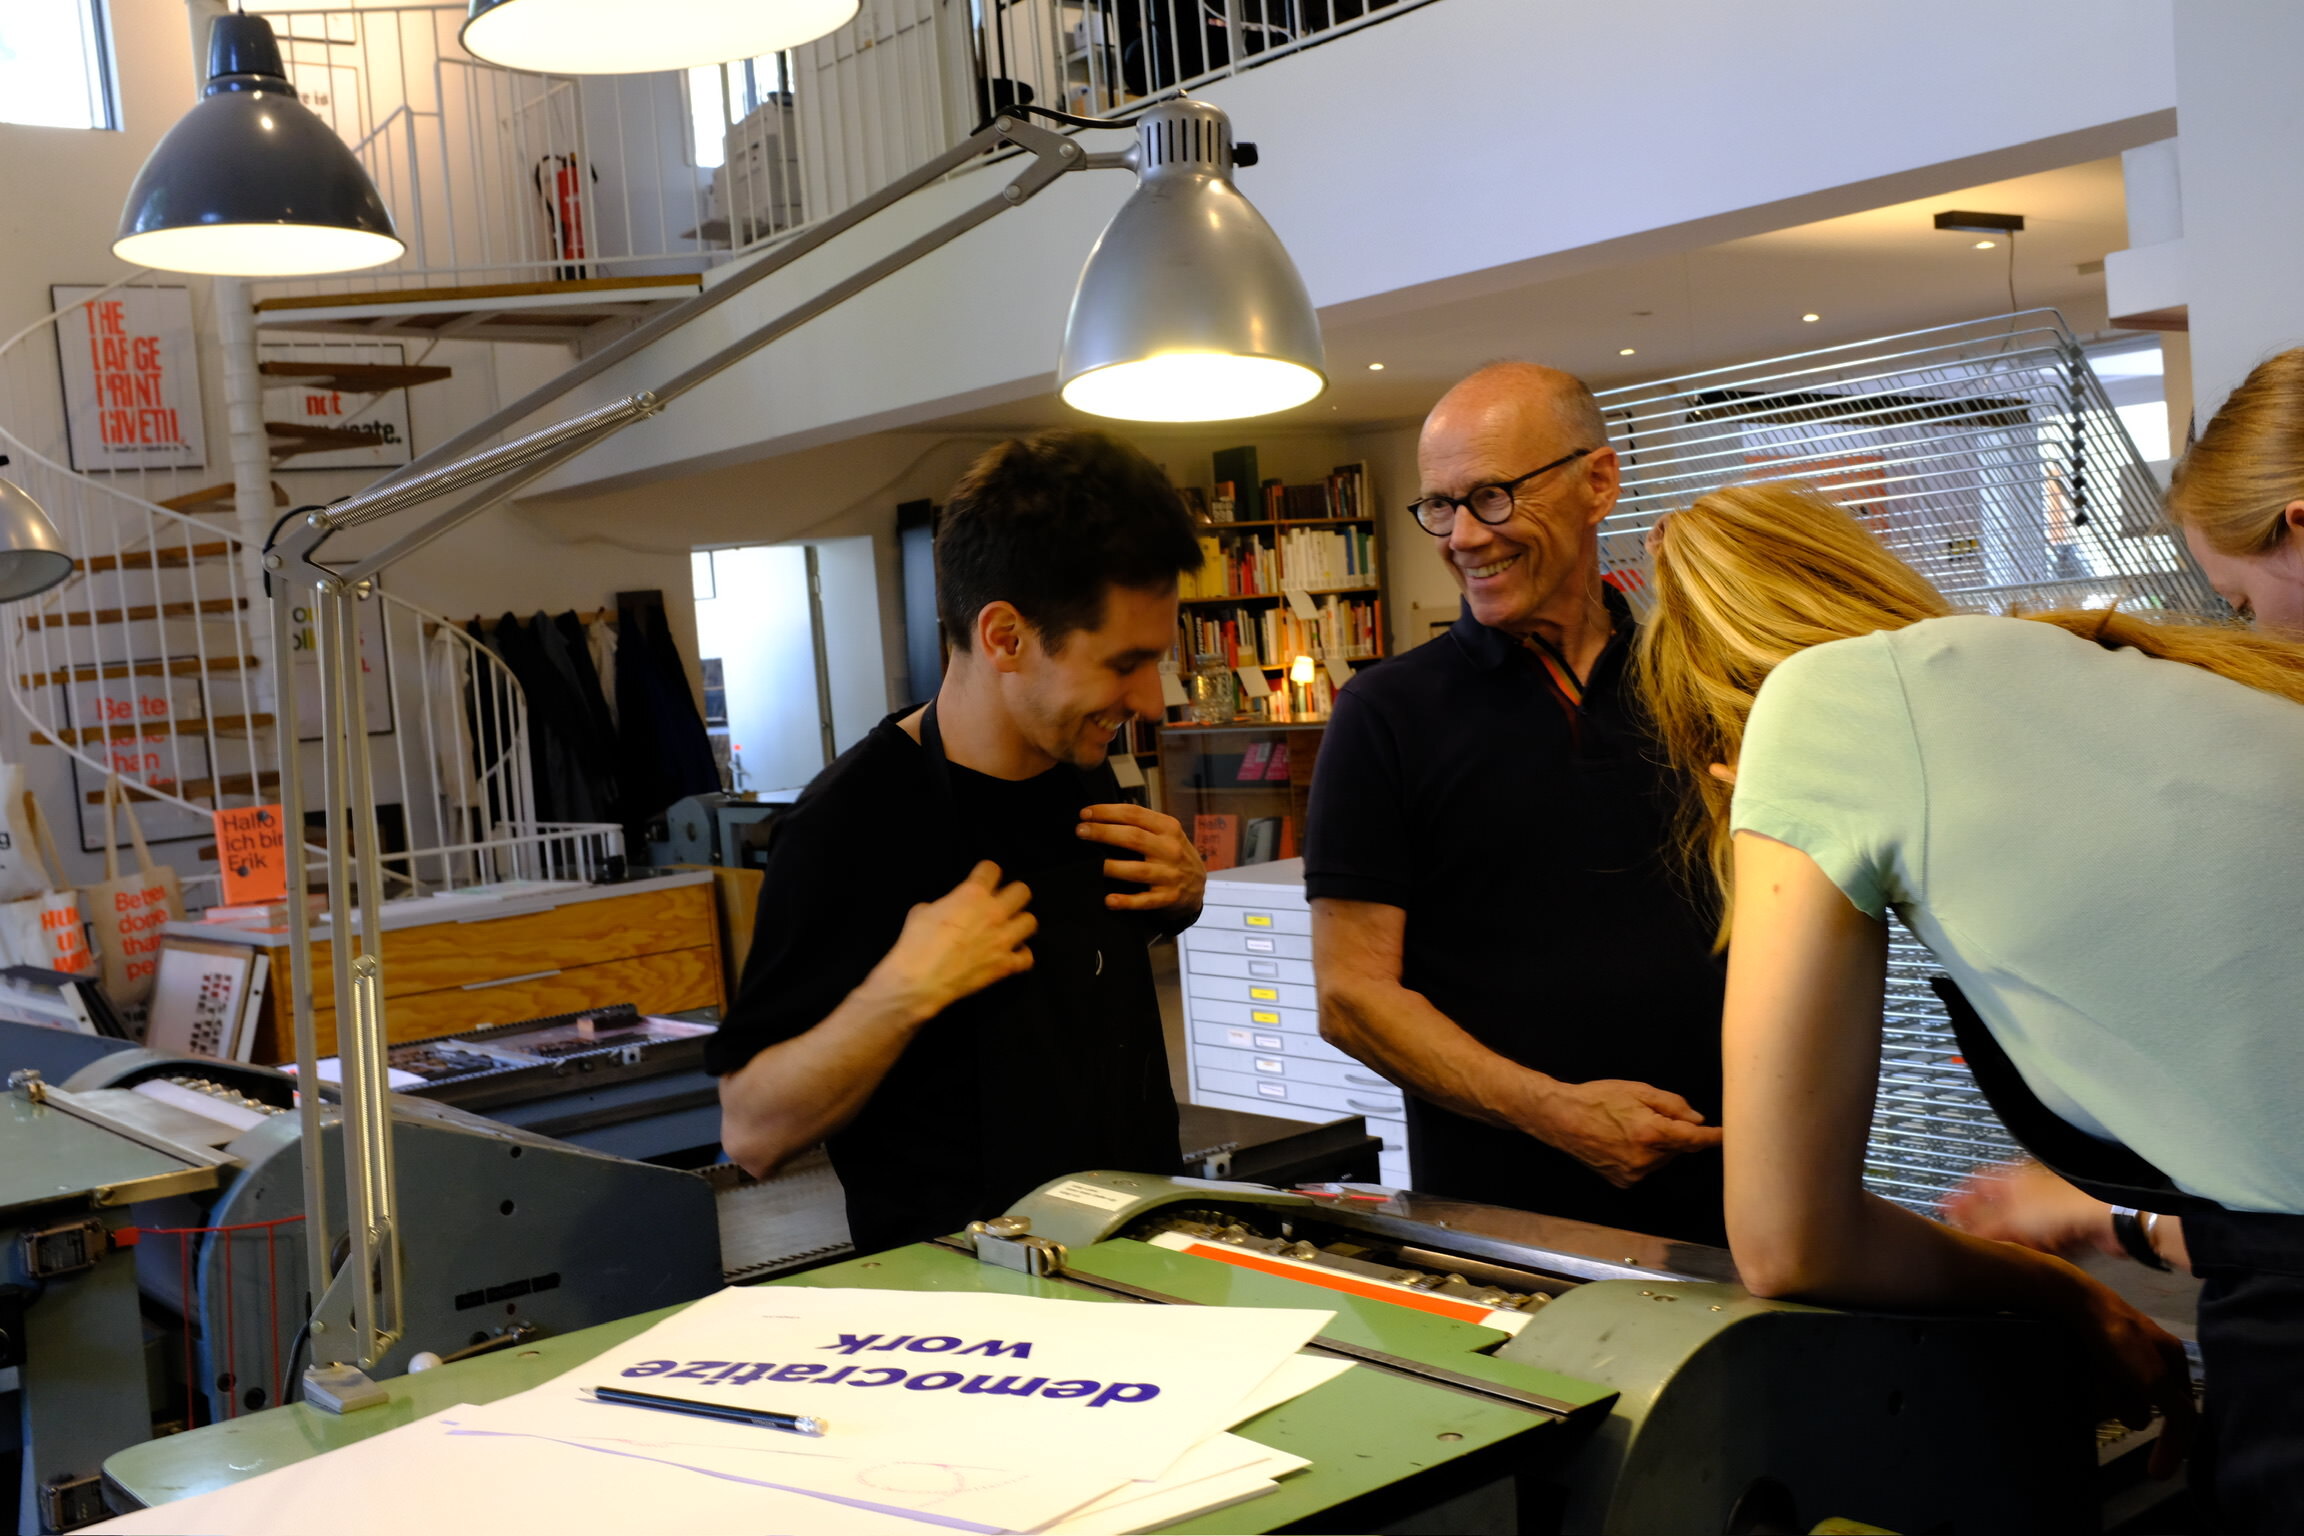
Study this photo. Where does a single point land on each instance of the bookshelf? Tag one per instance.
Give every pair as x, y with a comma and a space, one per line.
1289, 597
1287, 604
1241, 791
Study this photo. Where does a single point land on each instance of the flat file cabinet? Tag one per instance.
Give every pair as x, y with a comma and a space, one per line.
1251, 1014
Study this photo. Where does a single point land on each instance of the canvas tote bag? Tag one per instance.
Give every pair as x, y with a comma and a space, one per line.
125, 912
20, 872
45, 930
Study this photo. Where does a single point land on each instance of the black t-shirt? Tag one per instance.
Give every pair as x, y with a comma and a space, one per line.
1528, 840
1050, 1072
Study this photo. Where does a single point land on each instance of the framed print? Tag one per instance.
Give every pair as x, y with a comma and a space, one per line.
375, 667
381, 417
131, 373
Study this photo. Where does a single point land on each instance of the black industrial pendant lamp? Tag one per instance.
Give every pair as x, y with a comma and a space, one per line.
250, 183
626, 37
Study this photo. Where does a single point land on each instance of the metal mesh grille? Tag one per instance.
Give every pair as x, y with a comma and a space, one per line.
1986, 455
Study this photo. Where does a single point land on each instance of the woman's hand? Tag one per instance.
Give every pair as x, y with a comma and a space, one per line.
2025, 1203
2142, 1371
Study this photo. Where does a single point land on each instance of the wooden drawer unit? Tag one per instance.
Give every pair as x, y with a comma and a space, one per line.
656, 946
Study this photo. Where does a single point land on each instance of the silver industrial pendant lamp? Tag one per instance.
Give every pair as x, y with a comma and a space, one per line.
1189, 308
32, 557
250, 183
632, 37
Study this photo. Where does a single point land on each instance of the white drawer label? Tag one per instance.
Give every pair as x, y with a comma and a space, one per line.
1097, 1195
1268, 1042
1270, 1064
1257, 946
1246, 1039
1273, 1090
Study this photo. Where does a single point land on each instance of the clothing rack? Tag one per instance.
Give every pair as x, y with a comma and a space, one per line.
583, 616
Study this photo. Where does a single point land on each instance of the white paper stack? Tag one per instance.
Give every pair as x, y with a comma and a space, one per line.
974, 1412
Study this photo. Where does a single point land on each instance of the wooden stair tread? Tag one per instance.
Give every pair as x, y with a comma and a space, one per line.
558, 313
133, 730
217, 496
357, 378
81, 618
170, 559
480, 292
173, 666
290, 438
196, 789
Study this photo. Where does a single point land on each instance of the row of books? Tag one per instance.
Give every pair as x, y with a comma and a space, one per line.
1225, 841
1260, 565
1326, 557
1346, 628
1343, 493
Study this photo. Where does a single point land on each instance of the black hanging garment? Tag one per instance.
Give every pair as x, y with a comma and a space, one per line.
663, 754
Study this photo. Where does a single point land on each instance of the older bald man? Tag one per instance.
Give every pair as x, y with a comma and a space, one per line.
1499, 923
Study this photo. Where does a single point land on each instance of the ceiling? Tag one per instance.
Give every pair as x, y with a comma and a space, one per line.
1864, 275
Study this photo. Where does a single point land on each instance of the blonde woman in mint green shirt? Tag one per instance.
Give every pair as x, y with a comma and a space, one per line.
2091, 822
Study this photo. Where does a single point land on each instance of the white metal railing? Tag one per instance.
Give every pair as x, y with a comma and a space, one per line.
1986, 455
153, 661
498, 176
1098, 57
495, 175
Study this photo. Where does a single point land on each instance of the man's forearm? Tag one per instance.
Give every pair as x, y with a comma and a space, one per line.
799, 1091
1399, 1033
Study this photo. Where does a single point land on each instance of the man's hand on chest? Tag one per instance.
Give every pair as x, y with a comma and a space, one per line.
1154, 853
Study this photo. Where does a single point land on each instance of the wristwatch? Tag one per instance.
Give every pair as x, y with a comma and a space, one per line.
2134, 1229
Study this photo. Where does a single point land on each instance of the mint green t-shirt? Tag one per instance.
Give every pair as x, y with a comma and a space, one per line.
2104, 850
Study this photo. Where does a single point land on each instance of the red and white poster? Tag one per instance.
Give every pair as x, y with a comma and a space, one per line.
131, 378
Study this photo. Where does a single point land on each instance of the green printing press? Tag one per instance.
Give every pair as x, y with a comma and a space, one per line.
1518, 1373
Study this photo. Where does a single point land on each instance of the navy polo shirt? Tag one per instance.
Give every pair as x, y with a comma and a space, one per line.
1529, 841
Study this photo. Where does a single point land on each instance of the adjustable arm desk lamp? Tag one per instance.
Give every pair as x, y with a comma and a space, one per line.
1188, 310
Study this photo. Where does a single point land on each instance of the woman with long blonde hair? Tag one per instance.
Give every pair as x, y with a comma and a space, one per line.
2090, 821
2238, 496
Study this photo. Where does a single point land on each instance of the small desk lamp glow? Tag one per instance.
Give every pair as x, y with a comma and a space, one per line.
1188, 310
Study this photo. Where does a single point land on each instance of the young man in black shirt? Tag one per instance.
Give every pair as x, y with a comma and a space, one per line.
949, 982
1497, 922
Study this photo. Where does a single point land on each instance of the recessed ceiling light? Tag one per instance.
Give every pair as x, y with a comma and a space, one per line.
1811, 319
1375, 367
1624, 351
1985, 245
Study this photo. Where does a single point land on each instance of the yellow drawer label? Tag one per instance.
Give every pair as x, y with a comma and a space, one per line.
1256, 919
1263, 1016
1265, 994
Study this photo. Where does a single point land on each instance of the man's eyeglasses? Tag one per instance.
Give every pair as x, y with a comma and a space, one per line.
1491, 504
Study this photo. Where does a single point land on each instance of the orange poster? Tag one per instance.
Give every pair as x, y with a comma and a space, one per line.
254, 852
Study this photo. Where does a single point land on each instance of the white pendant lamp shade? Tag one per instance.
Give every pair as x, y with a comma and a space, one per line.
632, 37
249, 183
32, 557
1189, 308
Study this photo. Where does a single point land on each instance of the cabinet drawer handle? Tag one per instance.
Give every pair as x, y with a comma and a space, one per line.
1259, 946
1367, 1082
505, 981
1263, 967
1373, 1109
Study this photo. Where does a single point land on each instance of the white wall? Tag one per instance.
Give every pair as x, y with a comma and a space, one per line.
1572, 136
855, 661
757, 624
2242, 152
